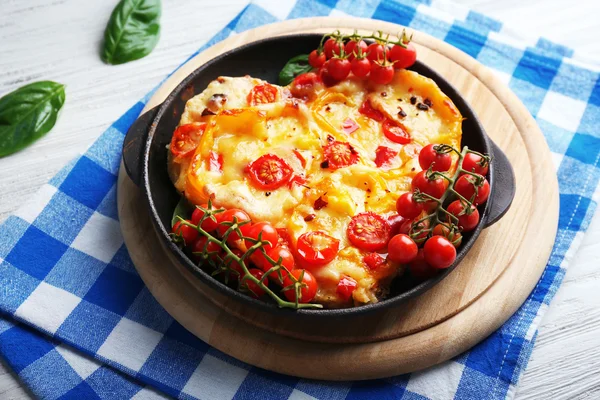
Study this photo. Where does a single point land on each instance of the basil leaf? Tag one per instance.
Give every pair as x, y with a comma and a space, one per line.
28, 113
296, 66
132, 31
183, 209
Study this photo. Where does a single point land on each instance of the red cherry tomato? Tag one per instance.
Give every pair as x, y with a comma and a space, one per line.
439, 252
186, 138
403, 57
287, 262
326, 77
262, 94
188, 233
429, 155
454, 237
369, 231
266, 231
396, 132
384, 155
408, 207
269, 172
346, 287
396, 221
253, 288
419, 268
202, 249
237, 270
339, 68
340, 154
474, 163
375, 52
331, 48
317, 248
369, 111
373, 261
419, 231
361, 67
209, 224
352, 48
405, 226
381, 74
308, 288
402, 249
468, 218
316, 59
466, 185
435, 186
229, 216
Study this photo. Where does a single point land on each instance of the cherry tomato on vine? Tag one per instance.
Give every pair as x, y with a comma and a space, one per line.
369, 231
402, 249
308, 288
468, 217
375, 52
202, 247
361, 67
209, 224
396, 132
407, 206
403, 57
253, 288
419, 231
429, 156
269, 172
287, 262
316, 59
326, 77
266, 231
229, 216
346, 287
439, 252
433, 186
454, 237
317, 248
340, 154
419, 268
381, 73
331, 48
373, 261
262, 94
466, 185
352, 47
185, 139
395, 221
475, 163
339, 68
188, 233
235, 266
405, 226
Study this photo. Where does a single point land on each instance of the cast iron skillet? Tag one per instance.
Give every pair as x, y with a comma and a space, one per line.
145, 159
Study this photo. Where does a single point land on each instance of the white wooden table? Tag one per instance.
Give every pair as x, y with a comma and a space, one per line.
59, 40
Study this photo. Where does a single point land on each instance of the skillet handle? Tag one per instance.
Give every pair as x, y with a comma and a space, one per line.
135, 143
503, 192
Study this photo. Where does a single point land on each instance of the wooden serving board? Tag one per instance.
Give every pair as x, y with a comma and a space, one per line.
487, 287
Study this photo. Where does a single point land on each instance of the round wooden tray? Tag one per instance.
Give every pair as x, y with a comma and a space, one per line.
487, 287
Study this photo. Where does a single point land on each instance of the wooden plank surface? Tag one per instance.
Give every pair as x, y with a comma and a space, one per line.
45, 39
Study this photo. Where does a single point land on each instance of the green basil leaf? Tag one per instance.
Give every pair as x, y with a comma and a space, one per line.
296, 66
132, 31
28, 113
183, 209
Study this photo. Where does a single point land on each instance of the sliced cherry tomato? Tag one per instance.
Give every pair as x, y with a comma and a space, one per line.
383, 156
408, 207
375, 52
361, 67
332, 47
403, 57
369, 111
369, 231
349, 125
402, 249
381, 73
439, 252
340, 154
346, 287
308, 286
270, 172
186, 232
396, 132
373, 261
419, 268
215, 162
474, 163
430, 157
209, 224
226, 219
262, 94
287, 262
185, 139
466, 185
433, 186
352, 48
396, 221
317, 248
339, 68
266, 231
453, 236
468, 217
316, 59
253, 288
284, 237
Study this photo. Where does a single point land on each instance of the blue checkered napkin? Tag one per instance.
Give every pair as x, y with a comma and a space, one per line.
77, 321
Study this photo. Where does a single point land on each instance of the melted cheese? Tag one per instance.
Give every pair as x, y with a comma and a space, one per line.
289, 127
